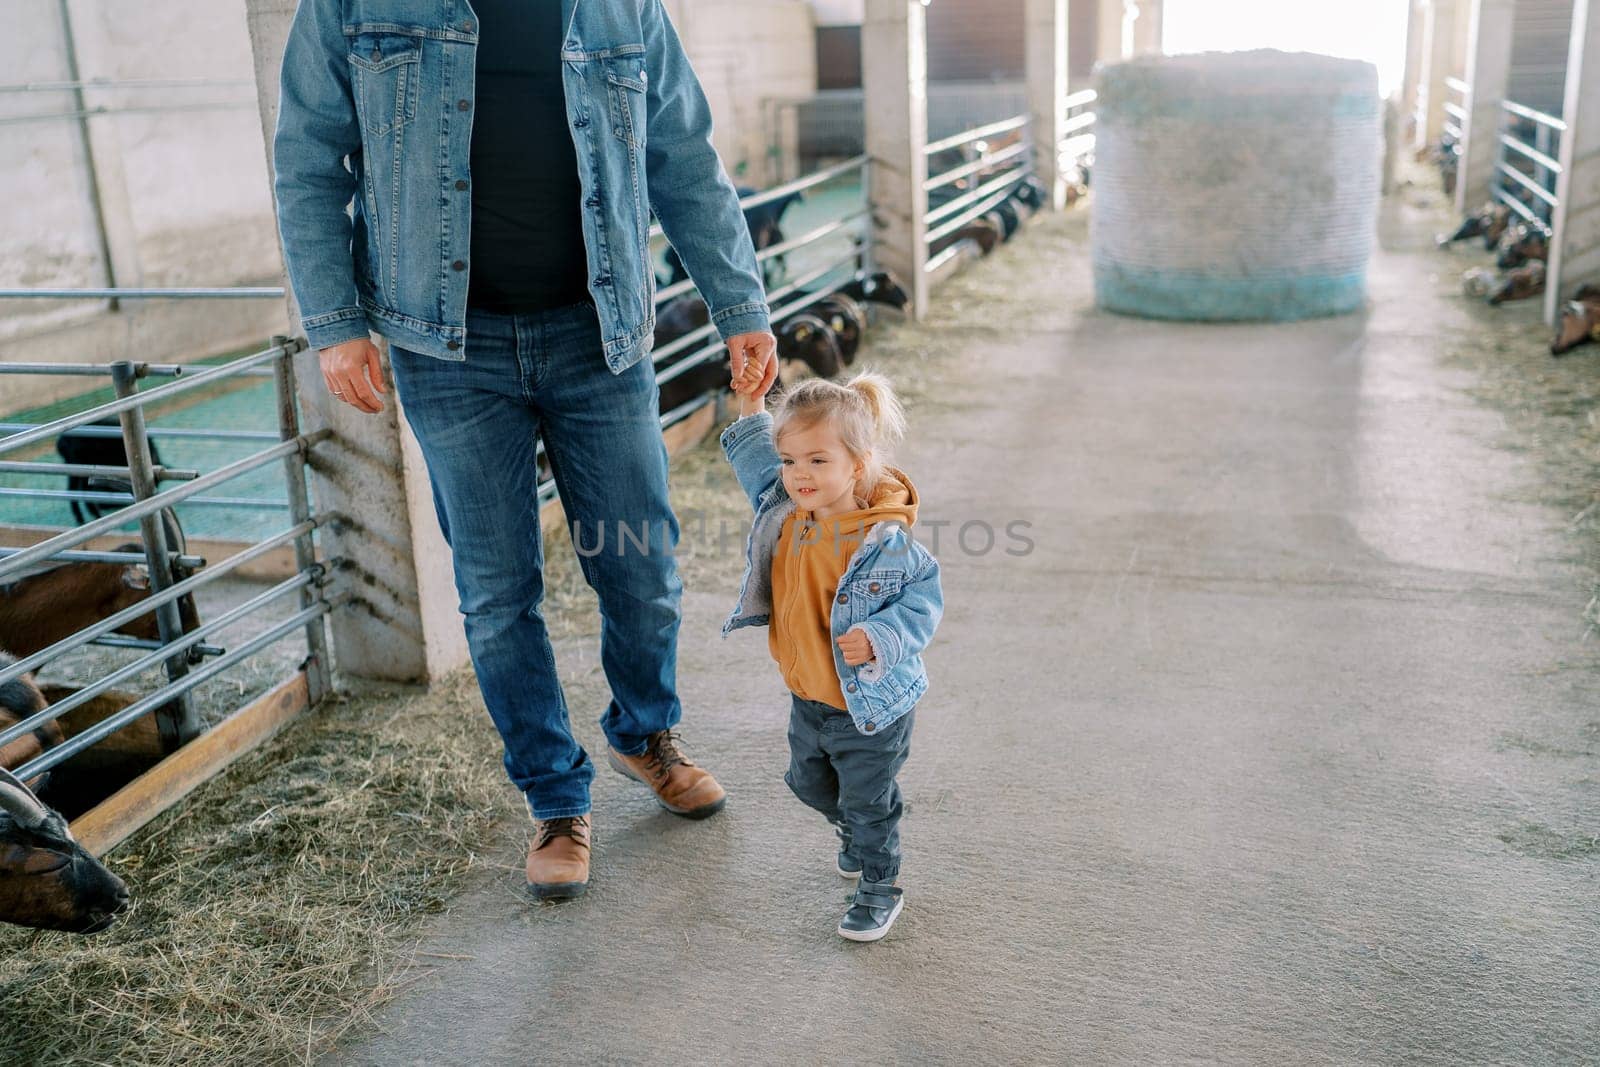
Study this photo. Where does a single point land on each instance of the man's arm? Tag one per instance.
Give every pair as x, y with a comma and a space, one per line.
689, 190
317, 127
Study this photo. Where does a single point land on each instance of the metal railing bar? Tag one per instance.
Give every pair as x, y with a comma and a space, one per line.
972, 196
811, 237
1080, 98
220, 105
952, 225
683, 411
149, 506
1532, 153
1455, 111
1016, 122
63, 752
1518, 206
88, 470
1456, 84
1534, 116
136, 558
1527, 183
988, 159
90, 496
679, 344
126, 83
940, 258
161, 392
234, 293
141, 370
767, 196
152, 431
1078, 122
144, 643
1452, 129
1074, 148
673, 291
133, 611
154, 659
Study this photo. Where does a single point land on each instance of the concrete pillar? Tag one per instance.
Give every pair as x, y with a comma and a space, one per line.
894, 80
1045, 37
1108, 47
1438, 60
1575, 247
403, 624
1410, 81
1488, 68
1146, 27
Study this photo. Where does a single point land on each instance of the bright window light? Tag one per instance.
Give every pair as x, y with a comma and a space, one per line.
1373, 30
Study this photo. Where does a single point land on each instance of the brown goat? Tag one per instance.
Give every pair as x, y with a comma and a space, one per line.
1520, 284
40, 609
20, 699
1580, 321
1520, 244
47, 880
112, 762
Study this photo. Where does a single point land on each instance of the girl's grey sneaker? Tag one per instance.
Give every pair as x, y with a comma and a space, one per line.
874, 910
847, 865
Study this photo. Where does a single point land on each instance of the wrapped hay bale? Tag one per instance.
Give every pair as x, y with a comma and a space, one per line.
1235, 185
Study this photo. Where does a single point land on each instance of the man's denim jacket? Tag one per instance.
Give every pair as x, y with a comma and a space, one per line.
890, 588
388, 85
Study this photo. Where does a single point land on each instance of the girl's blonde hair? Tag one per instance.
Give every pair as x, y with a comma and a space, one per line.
863, 411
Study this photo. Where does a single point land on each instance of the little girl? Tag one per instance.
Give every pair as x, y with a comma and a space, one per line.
850, 600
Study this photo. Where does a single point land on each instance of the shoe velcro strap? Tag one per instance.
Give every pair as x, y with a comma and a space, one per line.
876, 900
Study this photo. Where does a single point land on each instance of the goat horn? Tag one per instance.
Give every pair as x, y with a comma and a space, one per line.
19, 801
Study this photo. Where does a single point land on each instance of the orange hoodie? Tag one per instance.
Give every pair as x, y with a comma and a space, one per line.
810, 559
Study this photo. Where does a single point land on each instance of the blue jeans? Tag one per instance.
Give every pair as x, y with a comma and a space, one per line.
544, 375
849, 777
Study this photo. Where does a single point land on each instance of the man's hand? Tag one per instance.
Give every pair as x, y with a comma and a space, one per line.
352, 371
856, 647
746, 350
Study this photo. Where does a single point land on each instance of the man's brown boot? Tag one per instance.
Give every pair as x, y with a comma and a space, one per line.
681, 787
558, 859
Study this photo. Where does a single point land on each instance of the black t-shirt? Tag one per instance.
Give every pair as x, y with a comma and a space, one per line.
527, 251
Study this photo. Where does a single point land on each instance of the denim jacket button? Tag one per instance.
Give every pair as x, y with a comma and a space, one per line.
461, 183
873, 587
844, 598
851, 687
452, 345
462, 105
871, 726
459, 264
466, 27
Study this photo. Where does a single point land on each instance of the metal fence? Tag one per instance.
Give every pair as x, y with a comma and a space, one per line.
1455, 112
1526, 169
1076, 149
182, 654
996, 158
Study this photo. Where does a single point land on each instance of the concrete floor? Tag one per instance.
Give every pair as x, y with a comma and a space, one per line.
1278, 747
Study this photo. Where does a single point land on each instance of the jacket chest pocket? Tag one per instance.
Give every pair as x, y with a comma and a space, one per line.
871, 591
383, 68
626, 85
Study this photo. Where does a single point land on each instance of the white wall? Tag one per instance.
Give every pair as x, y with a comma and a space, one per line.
184, 193
745, 53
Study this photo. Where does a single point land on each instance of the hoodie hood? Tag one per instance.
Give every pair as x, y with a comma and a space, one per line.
895, 497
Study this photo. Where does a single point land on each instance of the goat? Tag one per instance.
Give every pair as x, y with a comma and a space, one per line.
984, 231
848, 321
1520, 284
47, 880
110, 763
1580, 321
83, 448
1520, 244
806, 337
881, 288
1496, 225
21, 699
1473, 225
44, 607
763, 221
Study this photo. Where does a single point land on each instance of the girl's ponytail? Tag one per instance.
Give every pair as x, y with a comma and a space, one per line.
888, 416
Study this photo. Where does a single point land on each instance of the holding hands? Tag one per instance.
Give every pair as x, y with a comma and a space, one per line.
755, 367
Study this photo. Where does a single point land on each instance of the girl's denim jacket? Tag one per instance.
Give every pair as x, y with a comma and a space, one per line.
890, 588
